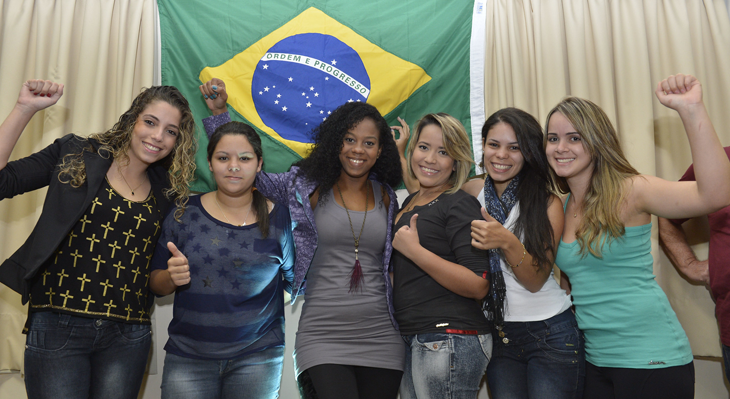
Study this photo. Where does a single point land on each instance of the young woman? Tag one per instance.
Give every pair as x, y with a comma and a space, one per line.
225, 259
85, 267
342, 206
438, 277
538, 349
635, 346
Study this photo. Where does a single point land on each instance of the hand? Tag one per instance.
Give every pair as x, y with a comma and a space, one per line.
178, 266
698, 271
487, 233
215, 95
679, 91
406, 239
37, 94
404, 133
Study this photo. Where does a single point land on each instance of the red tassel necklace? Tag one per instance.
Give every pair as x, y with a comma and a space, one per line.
356, 275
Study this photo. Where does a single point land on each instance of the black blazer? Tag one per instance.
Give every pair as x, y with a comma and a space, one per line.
64, 205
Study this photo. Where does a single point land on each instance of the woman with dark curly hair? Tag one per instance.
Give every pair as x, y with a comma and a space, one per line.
342, 206
85, 267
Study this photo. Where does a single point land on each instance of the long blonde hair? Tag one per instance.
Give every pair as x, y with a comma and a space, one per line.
115, 142
606, 192
456, 144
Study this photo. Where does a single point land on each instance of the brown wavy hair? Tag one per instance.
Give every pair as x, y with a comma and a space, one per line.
115, 142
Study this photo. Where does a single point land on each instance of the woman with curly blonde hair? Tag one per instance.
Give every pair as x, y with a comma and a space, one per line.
85, 267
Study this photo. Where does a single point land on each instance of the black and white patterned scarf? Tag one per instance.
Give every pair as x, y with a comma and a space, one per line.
499, 208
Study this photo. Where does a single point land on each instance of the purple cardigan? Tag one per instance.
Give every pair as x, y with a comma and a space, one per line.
294, 191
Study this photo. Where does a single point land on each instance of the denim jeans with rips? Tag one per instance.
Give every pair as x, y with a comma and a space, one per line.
444, 366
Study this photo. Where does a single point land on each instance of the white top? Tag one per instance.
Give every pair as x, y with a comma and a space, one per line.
520, 303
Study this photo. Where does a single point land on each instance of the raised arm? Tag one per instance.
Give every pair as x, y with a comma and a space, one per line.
34, 96
711, 191
404, 132
675, 245
216, 97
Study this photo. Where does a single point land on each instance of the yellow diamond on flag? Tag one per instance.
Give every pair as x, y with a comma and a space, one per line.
292, 79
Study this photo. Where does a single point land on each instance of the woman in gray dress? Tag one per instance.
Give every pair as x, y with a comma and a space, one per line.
342, 207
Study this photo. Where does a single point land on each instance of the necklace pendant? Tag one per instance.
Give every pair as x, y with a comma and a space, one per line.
356, 258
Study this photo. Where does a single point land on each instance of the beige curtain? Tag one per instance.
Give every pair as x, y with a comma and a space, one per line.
614, 53
103, 51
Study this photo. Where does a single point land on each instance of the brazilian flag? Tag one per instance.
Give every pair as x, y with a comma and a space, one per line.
288, 64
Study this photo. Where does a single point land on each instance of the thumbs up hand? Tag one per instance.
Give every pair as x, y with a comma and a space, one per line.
487, 233
406, 239
178, 266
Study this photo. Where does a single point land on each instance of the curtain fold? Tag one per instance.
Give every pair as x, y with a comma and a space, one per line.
103, 52
614, 53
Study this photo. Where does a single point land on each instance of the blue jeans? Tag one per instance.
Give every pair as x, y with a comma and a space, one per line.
444, 366
541, 359
254, 376
77, 357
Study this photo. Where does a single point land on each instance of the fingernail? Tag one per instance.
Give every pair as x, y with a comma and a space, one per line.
212, 96
206, 96
43, 95
214, 87
35, 94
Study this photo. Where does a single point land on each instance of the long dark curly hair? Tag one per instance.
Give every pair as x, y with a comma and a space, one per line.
323, 163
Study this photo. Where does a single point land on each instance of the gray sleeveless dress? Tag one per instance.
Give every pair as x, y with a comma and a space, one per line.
338, 326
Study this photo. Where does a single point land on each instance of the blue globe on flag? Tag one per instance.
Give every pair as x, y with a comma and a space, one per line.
302, 79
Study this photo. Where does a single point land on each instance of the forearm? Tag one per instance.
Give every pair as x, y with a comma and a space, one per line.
530, 275
711, 164
411, 184
161, 283
452, 276
11, 129
675, 245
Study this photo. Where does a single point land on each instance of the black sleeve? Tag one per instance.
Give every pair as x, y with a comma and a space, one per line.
34, 171
459, 215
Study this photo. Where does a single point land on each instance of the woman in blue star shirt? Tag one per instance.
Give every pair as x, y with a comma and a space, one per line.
228, 260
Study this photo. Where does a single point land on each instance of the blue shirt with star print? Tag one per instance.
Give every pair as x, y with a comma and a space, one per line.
234, 303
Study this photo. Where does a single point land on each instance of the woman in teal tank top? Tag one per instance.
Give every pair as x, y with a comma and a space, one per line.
635, 346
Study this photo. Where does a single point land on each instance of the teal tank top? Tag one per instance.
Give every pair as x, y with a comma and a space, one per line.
624, 314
